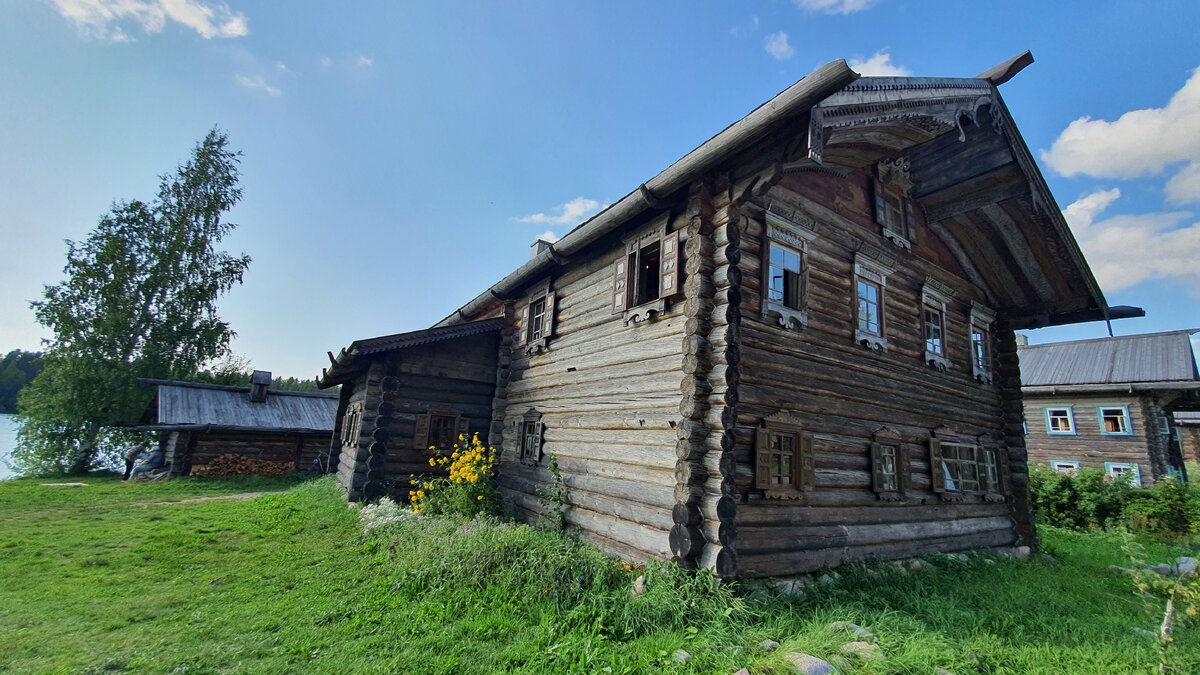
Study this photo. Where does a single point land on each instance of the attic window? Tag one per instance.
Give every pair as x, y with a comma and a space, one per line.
647, 274
894, 209
784, 466
536, 326
785, 271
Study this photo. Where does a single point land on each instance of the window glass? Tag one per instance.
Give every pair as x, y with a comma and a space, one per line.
782, 455
868, 307
441, 431
1060, 421
933, 331
1065, 467
887, 461
1114, 421
784, 276
537, 319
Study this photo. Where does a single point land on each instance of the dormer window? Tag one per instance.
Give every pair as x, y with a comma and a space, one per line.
894, 209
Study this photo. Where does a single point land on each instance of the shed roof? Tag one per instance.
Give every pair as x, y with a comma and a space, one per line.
343, 365
1151, 358
179, 405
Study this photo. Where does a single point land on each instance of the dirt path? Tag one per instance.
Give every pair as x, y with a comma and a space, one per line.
195, 500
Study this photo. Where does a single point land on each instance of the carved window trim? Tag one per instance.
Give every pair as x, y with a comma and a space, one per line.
789, 238
352, 424
538, 317
784, 461
891, 475
870, 275
531, 437
960, 466
895, 210
450, 418
649, 273
982, 354
933, 324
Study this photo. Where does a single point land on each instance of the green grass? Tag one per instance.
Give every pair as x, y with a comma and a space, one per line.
137, 578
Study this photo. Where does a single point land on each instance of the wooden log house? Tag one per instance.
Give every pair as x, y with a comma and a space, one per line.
1110, 404
791, 349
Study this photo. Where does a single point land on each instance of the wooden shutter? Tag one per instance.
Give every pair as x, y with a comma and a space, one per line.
937, 472
620, 284
1002, 468
462, 428
548, 317
804, 464
523, 325
668, 265
877, 482
910, 219
421, 437
903, 471
762, 466
538, 428
880, 206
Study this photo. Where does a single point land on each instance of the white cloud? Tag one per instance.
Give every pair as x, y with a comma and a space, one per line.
571, 213
879, 65
1126, 250
364, 62
777, 46
1184, 187
325, 62
99, 18
1140, 143
835, 6
257, 83
548, 235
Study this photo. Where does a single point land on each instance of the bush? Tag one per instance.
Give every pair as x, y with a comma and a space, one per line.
1092, 499
467, 490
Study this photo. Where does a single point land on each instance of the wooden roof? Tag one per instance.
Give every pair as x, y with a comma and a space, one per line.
347, 363
1153, 360
193, 406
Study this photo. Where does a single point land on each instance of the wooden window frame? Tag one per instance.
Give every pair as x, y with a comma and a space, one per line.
531, 438
962, 466
1065, 467
982, 349
424, 425
1110, 469
790, 237
1070, 415
530, 339
631, 291
892, 184
934, 301
875, 274
1125, 417
352, 424
884, 443
784, 426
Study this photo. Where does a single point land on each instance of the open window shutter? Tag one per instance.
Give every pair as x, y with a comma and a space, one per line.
804, 465
1002, 468
877, 482
551, 310
937, 473
668, 265
421, 437
620, 283
462, 428
762, 467
880, 209
538, 428
910, 219
523, 326
903, 470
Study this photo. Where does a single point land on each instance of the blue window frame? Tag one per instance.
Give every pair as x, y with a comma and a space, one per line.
1114, 420
1060, 421
1119, 469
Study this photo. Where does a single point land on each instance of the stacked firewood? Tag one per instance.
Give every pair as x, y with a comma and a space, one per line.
227, 466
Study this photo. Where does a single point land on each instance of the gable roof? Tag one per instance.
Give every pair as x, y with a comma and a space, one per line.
191, 406
345, 363
976, 180
1133, 362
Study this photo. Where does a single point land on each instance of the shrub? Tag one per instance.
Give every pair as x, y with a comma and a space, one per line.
1092, 499
1169, 507
467, 489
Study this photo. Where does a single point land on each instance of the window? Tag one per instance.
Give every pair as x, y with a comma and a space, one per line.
531, 437
1164, 427
1114, 421
352, 424
439, 428
894, 209
784, 467
1060, 421
785, 278
981, 342
1064, 467
870, 283
889, 466
934, 298
959, 468
536, 326
1127, 471
647, 274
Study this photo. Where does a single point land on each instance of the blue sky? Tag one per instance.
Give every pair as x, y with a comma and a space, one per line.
400, 156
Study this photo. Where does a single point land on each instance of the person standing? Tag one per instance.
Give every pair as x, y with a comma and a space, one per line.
131, 455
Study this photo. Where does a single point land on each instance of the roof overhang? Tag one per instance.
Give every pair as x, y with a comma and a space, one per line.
349, 361
1116, 388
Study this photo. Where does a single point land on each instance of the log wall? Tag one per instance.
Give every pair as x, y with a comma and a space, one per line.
300, 449
844, 393
1088, 445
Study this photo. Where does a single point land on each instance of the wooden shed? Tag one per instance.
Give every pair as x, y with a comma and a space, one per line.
792, 348
197, 423
1109, 403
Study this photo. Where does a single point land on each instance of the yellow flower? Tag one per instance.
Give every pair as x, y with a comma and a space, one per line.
432, 462
479, 498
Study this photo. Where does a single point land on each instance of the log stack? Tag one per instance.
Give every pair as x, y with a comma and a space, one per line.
228, 466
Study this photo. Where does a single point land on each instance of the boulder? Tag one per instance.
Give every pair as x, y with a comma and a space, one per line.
768, 645
639, 587
1185, 565
853, 629
810, 665
863, 650
681, 656
1022, 552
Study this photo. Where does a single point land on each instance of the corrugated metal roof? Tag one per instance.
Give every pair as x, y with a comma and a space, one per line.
229, 407
1153, 357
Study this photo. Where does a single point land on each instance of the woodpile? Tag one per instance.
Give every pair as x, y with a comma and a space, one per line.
227, 466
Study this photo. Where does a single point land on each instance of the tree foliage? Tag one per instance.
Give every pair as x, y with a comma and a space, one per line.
139, 301
17, 369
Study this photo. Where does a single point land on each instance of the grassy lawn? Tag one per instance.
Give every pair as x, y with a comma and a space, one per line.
172, 577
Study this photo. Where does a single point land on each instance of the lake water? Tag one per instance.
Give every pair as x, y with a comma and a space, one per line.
8, 440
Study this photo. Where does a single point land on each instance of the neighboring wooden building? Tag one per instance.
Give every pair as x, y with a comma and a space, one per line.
791, 349
1107, 404
1187, 433
197, 423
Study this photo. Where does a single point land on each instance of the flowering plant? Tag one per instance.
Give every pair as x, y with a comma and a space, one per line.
466, 489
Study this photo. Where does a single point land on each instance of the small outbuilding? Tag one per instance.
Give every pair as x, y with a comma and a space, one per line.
197, 423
